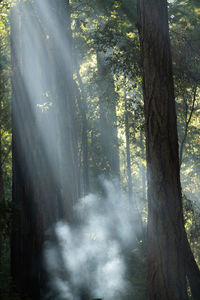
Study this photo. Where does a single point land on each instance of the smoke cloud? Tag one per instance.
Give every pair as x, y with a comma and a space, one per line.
86, 261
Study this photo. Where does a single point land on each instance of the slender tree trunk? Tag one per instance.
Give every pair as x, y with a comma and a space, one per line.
128, 158
166, 274
83, 110
187, 123
132, 200
143, 169
1, 181
1, 150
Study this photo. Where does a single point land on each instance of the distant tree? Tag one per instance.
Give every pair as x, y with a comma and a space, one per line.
128, 158
81, 97
108, 119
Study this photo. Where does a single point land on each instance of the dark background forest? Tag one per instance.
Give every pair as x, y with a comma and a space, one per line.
99, 149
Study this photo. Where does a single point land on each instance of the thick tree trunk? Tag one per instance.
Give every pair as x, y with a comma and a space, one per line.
65, 105
44, 151
34, 190
165, 239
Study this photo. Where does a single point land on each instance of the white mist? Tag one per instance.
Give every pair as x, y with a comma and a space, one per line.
88, 258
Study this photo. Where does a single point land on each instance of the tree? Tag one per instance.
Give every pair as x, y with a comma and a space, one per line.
166, 235
5, 150
45, 183
108, 119
83, 108
128, 159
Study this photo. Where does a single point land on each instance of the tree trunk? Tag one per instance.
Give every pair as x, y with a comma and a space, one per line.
187, 123
62, 68
1, 178
108, 119
82, 102
33, 186
192, 271
44, 151
143, 171
166, 274
128, 158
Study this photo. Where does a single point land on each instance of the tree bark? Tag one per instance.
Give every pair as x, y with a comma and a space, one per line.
166, 274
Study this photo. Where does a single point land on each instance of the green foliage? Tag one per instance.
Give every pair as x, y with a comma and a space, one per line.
184, 28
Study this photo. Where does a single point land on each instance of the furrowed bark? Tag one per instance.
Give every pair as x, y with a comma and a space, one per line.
166, 274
